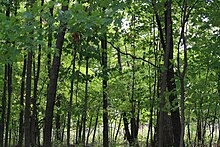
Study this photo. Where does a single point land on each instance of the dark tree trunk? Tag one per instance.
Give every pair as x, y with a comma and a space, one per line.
52, 87
9, 85
21, 116
88, 133
96, 123
171, 85
85, 103
71, 97
27, 127
58, 129
9, 104
78, 132
50, 39
104, 86
2, 124
34, 117
126, 127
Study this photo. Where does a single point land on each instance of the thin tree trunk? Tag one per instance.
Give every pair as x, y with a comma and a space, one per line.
58, 131
96, 123
27, 127
104, 86
71, 97
52, 87
34, 117
119, 126
213, 126
2, 124
88, 133
9, 85
77, 90
85, 104
9, 104
21, 116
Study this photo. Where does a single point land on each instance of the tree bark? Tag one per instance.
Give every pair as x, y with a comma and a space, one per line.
104, 86
21, 115
27, 127
52, 87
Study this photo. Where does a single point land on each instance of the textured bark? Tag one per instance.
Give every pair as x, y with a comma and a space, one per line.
104, 86
52, 87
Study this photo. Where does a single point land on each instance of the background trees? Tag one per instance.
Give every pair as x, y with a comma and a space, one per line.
141, 72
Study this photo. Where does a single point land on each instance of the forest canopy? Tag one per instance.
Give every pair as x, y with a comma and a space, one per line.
109, 73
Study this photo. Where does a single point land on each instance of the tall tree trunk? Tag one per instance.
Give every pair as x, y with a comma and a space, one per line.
9, 70
71, 97
9, 104
104, 86
2, 123
27, 127
52, 86
171, 85
21, 115
85, 103
78, 132
34, 117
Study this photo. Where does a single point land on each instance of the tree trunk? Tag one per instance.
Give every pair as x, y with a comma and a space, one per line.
104, 86
71, 97
96, 123
77, 90
52, 87
9, 104
2, 124
58, 129
85, 103
21, 116
171, 85
27, 127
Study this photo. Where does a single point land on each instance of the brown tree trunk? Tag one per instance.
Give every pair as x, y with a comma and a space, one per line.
27, 127
52, 87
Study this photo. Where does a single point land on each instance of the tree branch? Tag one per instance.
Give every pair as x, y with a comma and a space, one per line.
132, 56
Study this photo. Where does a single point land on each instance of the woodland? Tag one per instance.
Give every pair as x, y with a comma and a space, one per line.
101, 73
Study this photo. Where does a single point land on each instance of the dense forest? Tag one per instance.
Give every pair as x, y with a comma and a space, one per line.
110, 73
